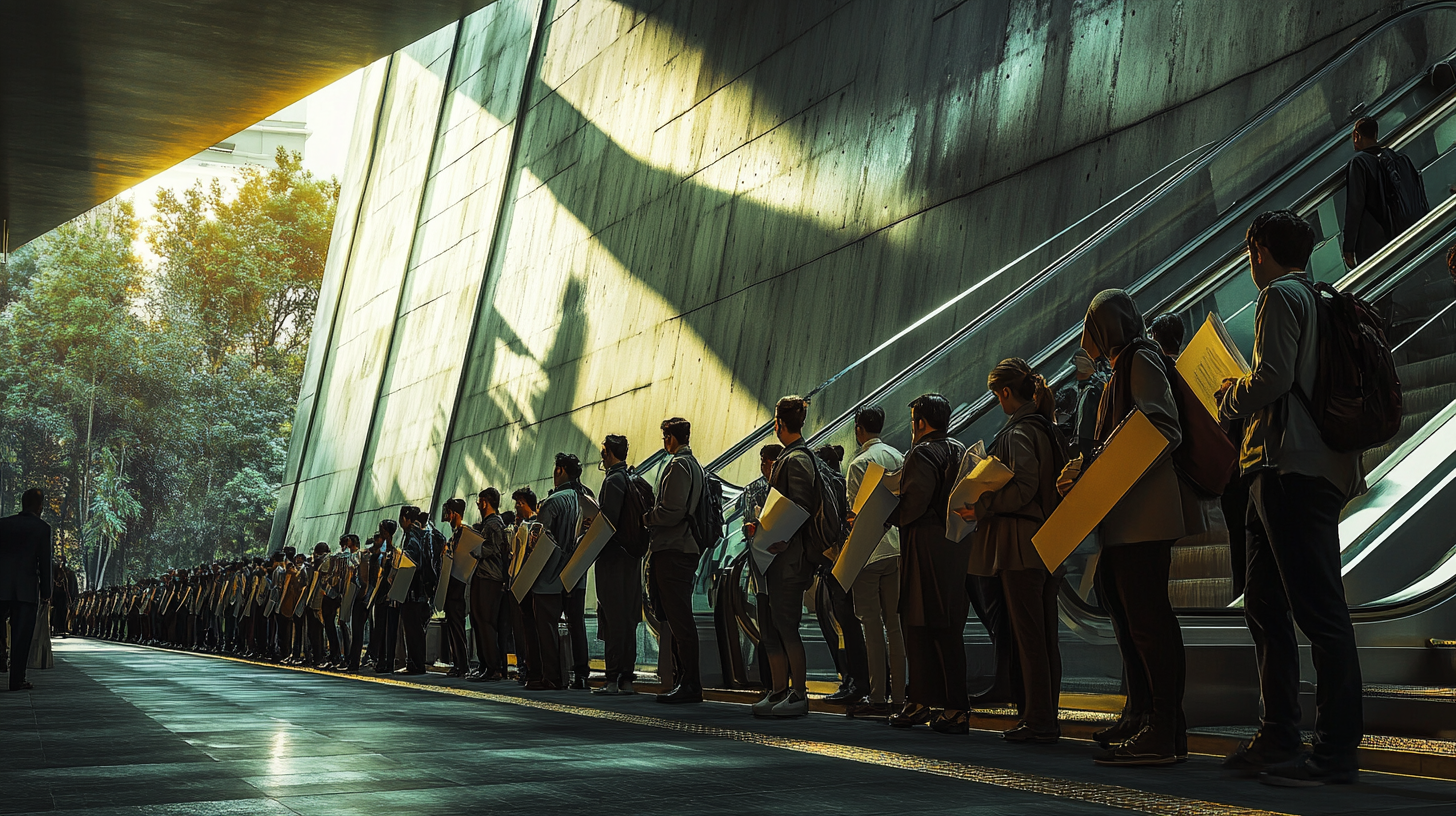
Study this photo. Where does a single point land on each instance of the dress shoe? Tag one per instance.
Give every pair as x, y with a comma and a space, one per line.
846, 695
578, 683
1152, 746
411, 671
794, 704
609, 688
625, 687
1025, 733
25, 686
384, 668
476, 677
1258, 755
765, 706
455, 673
1312, 772
1119, 732
681, 695
493, 677
912, 714
864, 709
951, 722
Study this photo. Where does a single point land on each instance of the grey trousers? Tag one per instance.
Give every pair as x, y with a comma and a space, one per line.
876, 599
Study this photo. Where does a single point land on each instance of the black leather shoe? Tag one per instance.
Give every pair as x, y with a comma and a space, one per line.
681, 695
455, 673
1149, 747
866, 710
25, 686
951, 722
1311, 772
1025, 733
578, 683
1122, 731
1258, 755
846, 695
384, 669
912, 714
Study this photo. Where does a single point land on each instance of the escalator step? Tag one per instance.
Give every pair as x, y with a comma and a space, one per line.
1201, 561
1201, 593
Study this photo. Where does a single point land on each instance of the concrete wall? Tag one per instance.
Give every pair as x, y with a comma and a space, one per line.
707, 205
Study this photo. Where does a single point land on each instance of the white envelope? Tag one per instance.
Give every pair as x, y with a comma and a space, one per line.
872, 508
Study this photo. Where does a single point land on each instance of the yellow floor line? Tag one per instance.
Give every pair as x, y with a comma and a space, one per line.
1110, 795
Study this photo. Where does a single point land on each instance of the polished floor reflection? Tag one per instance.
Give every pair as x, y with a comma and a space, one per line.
117, 729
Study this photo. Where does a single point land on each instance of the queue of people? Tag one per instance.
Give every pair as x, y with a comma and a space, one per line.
365, 606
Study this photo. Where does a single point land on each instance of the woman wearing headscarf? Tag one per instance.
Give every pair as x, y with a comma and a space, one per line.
1137, 538
1006, 519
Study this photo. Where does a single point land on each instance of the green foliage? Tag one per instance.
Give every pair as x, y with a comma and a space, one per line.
154, 406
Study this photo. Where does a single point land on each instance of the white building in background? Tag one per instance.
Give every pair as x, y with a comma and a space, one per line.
287, 128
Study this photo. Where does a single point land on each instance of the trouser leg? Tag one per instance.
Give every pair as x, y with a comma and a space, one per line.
454, 628
1134, 674
485, 607
990, 606
1026, 594
1141, 575
546, 613
575, 608
854, 652
619, 601
674, 573
1300, 515
414, 617
871, 616
894, 636
331, 627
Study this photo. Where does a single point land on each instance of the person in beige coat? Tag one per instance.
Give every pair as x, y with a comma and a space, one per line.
1137, 539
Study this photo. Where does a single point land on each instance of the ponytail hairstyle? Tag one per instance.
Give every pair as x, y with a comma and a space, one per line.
1026, 384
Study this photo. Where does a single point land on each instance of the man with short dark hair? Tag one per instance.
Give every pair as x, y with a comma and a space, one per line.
25, 579
1167, 331
559, 516
522, 618
453, 630
1297, 487
618, 574
487, 588
876, 591
933, 598
568, 470
673, 563
1369, 222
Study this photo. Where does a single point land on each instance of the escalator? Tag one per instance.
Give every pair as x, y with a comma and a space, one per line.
1176, 248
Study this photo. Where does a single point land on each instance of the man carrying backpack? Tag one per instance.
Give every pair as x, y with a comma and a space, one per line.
795, 475
1384, 194
673, 563
1297, 486
619, 567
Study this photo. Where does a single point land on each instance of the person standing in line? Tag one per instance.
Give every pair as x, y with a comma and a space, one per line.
1369, 222
25, 579
488, 586
850, 658
934, 602
750, 503
453, 631
1167, 331
335, 617
63, 596
1137, 539
795, 475
385, 628
522, 617
413, 613
574, 601
877, 588
673, 563
557, 516
618, 571
1006, 519
1089, 383
1297, 487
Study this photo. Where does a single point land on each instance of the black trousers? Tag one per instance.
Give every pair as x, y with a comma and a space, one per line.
284, 628
331, 626
543, 647
937, 666
1294, 578
575, 608
672, 574
523, 624
60, 614
358, 620
21, 615
315, 619
381, 637
852, 660
453, 647
1235, 505
390, 645
619, 610
414, 617
1132, 580
988, 599
485, 614
1031, 604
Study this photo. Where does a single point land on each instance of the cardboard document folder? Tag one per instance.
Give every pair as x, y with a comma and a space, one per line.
447, 565
463, 567
979, 474
404, 575
591, 546
1128, 453
1210, 358
535, 562
877, 498
777, 522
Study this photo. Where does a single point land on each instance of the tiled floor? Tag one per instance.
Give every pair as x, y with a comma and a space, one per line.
123, 730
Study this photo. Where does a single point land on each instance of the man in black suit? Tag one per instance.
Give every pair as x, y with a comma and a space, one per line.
25, 579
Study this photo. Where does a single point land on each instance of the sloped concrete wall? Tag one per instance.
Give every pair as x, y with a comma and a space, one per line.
712, 204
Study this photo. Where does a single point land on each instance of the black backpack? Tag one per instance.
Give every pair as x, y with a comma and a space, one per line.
1402, 189
705, 519
633, 536
826, 526
1356, 402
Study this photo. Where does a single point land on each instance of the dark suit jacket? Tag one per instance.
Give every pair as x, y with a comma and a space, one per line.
25, 559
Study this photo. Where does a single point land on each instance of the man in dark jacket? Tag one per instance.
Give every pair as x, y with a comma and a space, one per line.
25, 579
488, 586
559, 515
1369, 223
673, 564
454, 627
619, 575
933, 598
